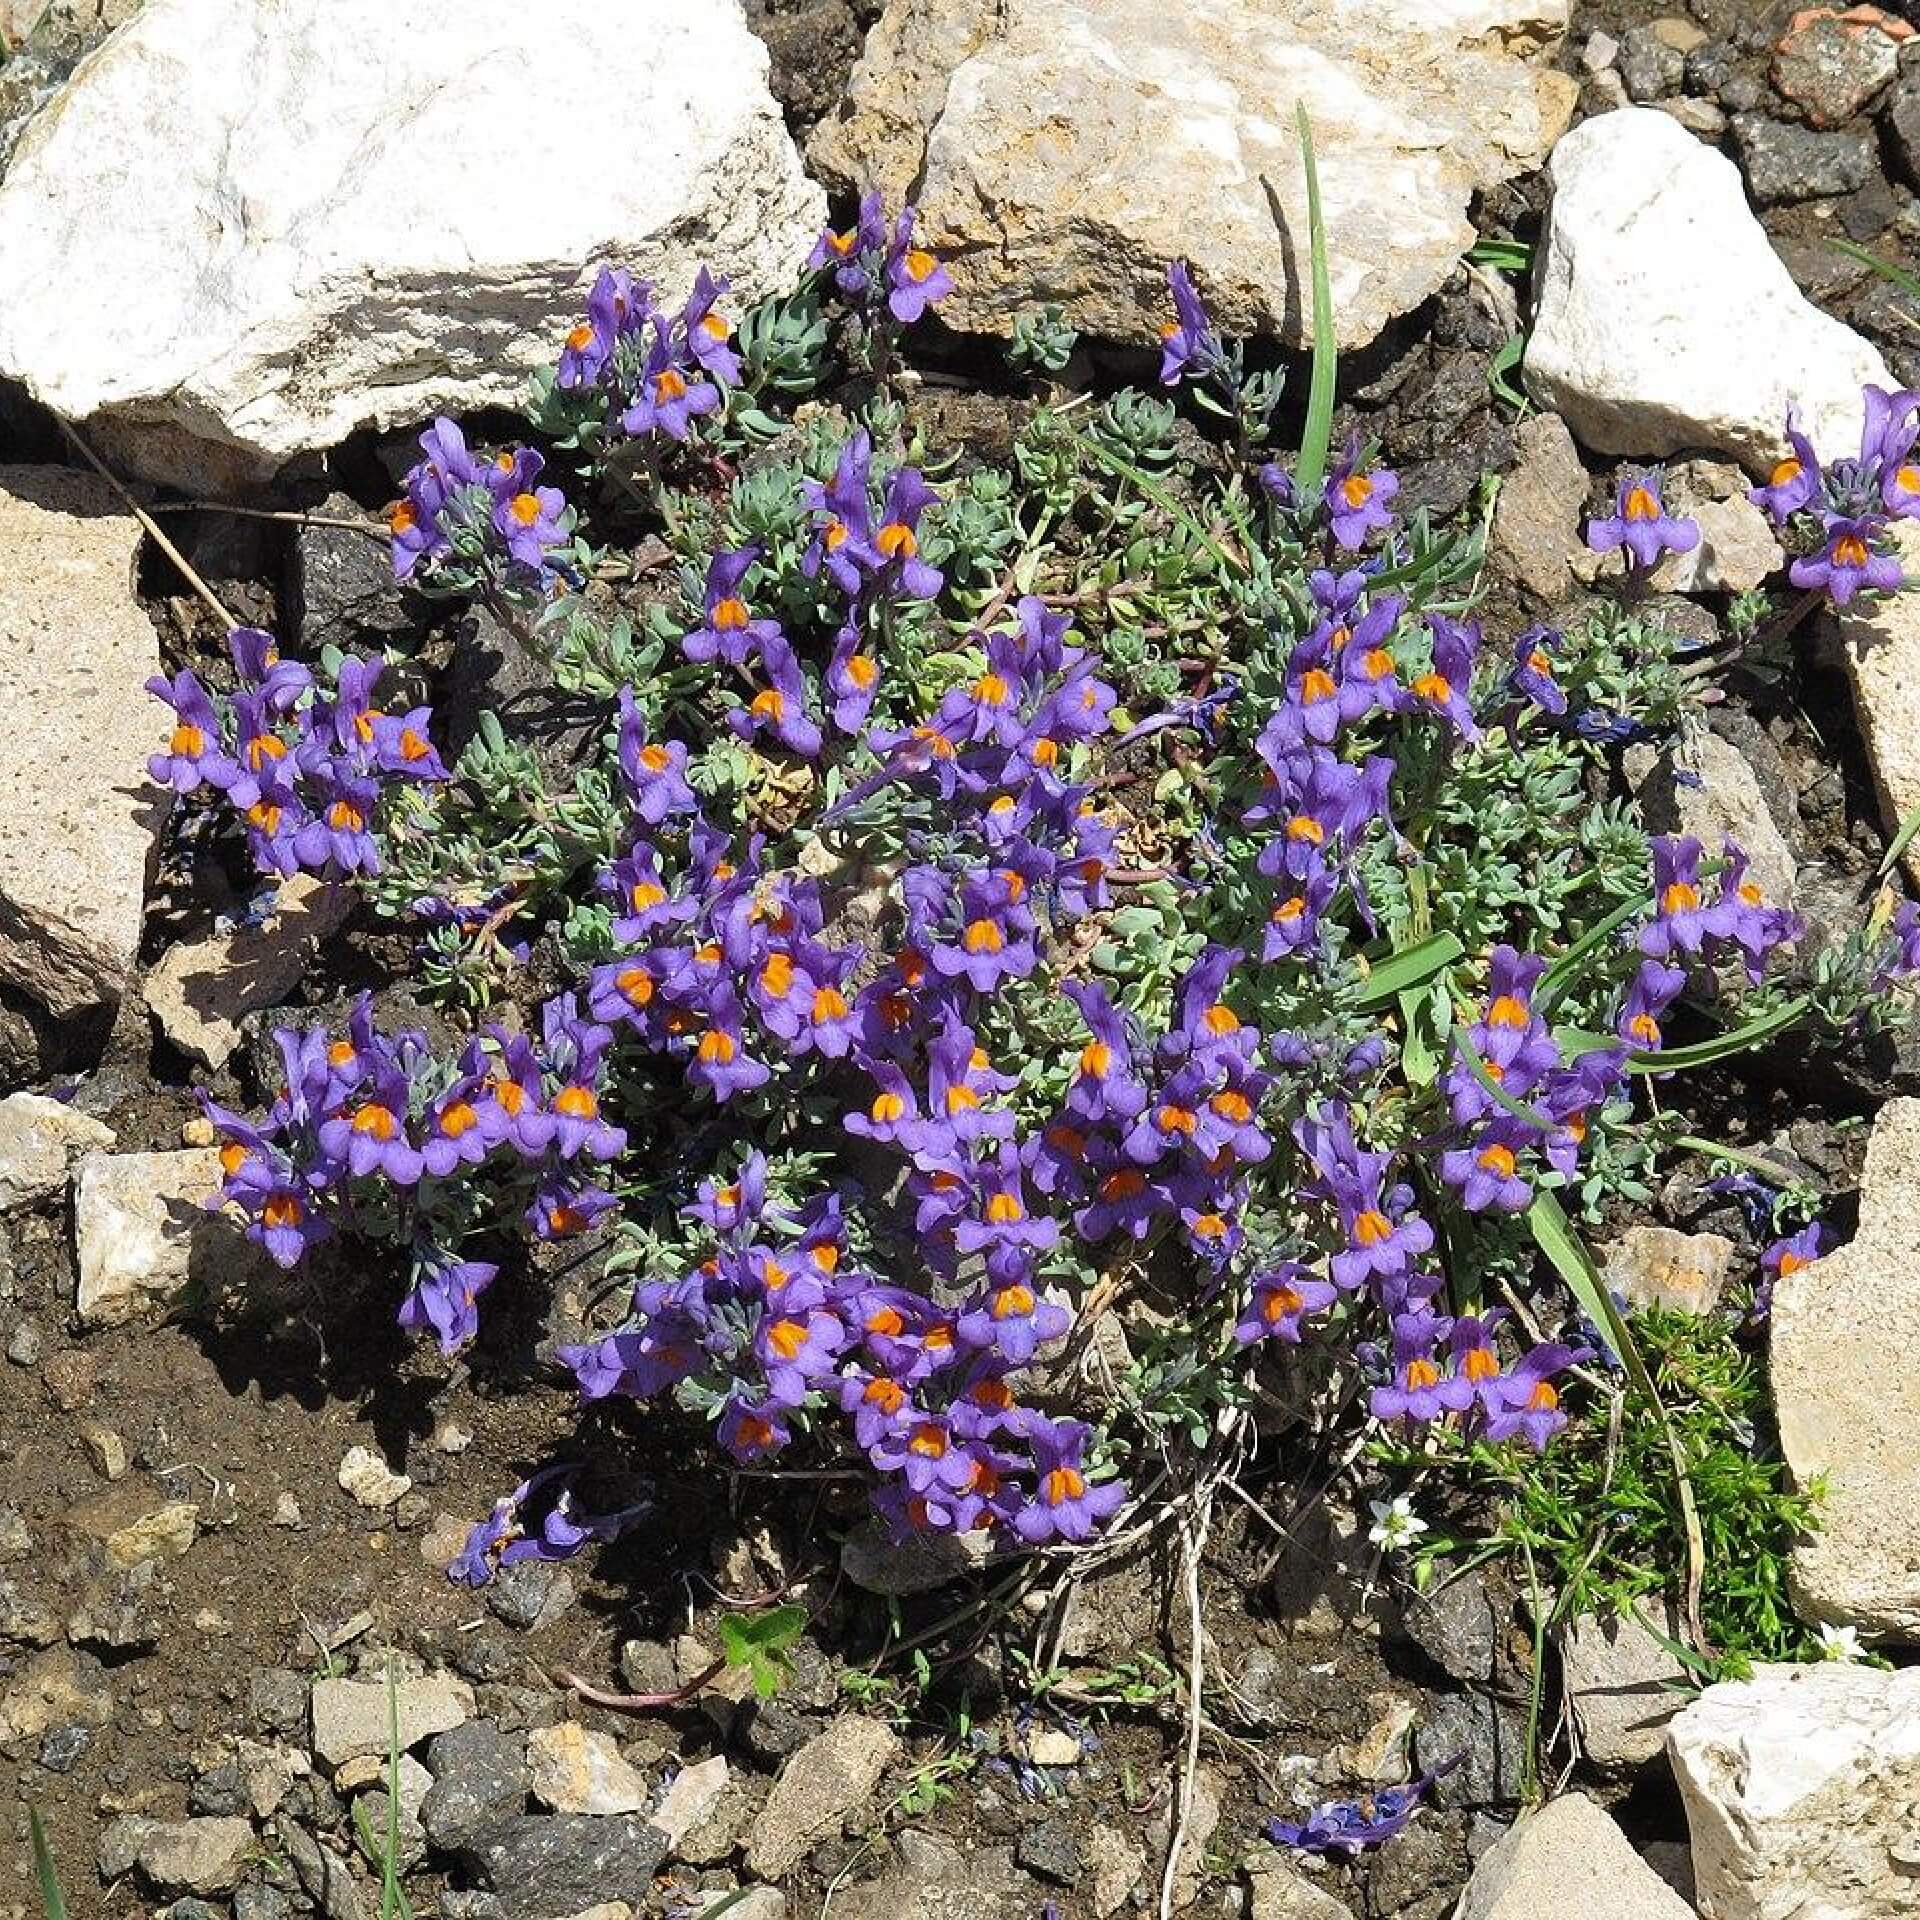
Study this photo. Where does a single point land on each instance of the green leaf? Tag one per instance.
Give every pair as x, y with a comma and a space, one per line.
50, 1896
1901, 841
1703, 1053
1512, 351
1412, 967
759, 1643
1898, 276
1316, 435
1559, 1239
1560, 975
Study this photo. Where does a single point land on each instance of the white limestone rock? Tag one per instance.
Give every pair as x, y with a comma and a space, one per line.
39, 1140
1569, 1860
79, 820
142, 1231
1066, 150
1802, 1789
1665, 321
200, 990
248, 227
1849, 1412
1880, 647
1623, 1683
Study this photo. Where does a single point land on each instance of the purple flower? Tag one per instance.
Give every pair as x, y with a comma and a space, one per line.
851, 252
445, 1297
339, 833
506, 1536
843, 524
1641, 523
1655, 988
1525, 1402
1065, 1504
1794, 481
915, 278
1419, 1391
897, 540
1445, 685
617, 308
656, 772
1485, 1170
1532, 676
1357, 498
1754, 925
708, 333
1189, 347
780, 707
1903, 958
1279, 1301
670, 396
1848, 562
528, 517
370, 1135
853, 678
256, 659
193, 754
1013, 1319
1682, 921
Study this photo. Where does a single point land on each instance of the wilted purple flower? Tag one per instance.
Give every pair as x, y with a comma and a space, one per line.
1641, 523
1189, 347
1346, 1826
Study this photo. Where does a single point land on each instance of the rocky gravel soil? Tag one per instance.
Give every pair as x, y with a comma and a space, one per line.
228, 1499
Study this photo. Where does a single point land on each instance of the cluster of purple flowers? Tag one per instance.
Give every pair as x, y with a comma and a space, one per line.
536, 1521
649, 370
877, 269
725, 966
305, 770
779, 1323
871, 556
366, 1122
1854, 502
478, 523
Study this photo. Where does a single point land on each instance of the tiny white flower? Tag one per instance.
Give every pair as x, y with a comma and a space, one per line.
1841, 1643
1395, 1524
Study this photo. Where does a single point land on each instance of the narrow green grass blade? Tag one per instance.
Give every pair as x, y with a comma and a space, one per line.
1559, 1239
1412, 967
1556, 978
1470, 1054
1317, 435
1888, 270
1901, 842
1703, 1053
50, 1896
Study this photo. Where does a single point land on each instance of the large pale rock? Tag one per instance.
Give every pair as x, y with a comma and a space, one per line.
39, 1140
141, 1231
1623, 1683
200, 990
1802, 1788
1881, 647
78, 817
834, 1773
1568, 1860
1709, 786
1054, 147
1849, 1412
365, 218
1664, 320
